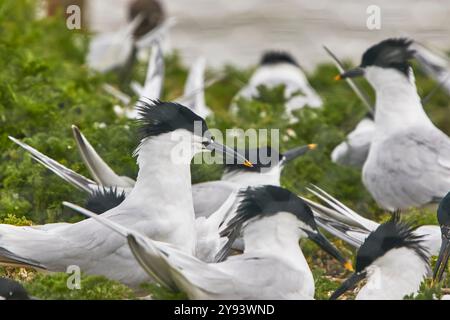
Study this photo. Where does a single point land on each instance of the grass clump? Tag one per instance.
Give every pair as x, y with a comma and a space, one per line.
54, 287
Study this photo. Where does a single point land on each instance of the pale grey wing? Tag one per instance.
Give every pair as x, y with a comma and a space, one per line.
434, 64
175, 269
338, 211
98, 168
260, 277
209, 196
66, 174
145, 253
351, 235
155, 74
113, 49
209, 241
355, 149
410, 168
33, 247
194, 95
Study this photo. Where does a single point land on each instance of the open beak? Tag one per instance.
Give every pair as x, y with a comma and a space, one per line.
442, 260
297, 152
229, 153
326, 245
348, 284
352, 73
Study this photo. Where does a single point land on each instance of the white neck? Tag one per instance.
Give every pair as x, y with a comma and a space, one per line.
246, 178
163, 189
398, 273
397, 103
275, 235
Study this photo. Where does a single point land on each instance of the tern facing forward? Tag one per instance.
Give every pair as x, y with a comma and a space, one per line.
392, 259
409, 159
280, 68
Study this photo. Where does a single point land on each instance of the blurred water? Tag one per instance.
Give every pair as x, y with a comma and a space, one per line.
237, 31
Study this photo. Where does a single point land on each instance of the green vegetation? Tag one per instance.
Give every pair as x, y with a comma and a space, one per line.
45, 87
54, 287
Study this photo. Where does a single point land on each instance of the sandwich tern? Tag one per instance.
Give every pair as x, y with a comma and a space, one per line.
149, 207
392, 259
351, 227
355, 149
280, 68
117, 49
273, 266
408, 163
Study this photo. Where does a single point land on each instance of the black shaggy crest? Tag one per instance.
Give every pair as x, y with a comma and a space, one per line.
389, 235
390, 53
161, 117
261, 158
268, 200
104, 199
273, 57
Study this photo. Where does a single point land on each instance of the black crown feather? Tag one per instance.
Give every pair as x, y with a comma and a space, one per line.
160, 117
104, 199
262, 201
390, 53
389, 235
272, 57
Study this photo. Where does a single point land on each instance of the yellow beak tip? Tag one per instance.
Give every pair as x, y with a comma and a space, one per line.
338, 77
348, 266
312, 146
248, 164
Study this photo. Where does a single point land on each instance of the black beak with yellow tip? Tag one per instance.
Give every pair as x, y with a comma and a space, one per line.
352, 73
444, 253
326, 245
214, 146
297, 152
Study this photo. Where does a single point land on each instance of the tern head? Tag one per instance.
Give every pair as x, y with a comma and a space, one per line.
375, 252
152, 13
277, 57
389, 58
12, 290
266, 158
182, 128
268, 201
443, 216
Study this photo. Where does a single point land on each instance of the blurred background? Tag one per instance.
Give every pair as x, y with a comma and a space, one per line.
238, 31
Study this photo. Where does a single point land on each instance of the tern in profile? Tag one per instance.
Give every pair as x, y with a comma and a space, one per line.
409, 159
272, 267
158, 206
